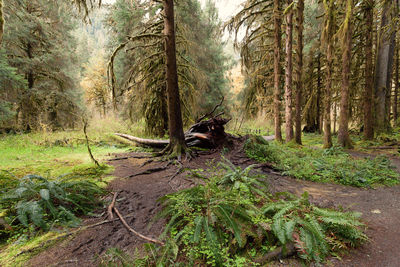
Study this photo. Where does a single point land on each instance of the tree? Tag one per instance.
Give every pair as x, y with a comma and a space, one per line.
328, 32
95, 84
289, 73
299, 68
177, 143
1, 22
38, 43
383, 69
369, 24
277, 70
346, 30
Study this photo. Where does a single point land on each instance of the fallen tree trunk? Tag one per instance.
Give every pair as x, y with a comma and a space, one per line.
146, 142
205, 134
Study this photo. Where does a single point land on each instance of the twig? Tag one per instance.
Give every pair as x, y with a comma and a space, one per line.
134, 232
209, 114
111, 206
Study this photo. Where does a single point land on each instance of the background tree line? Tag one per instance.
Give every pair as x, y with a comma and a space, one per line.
345, 60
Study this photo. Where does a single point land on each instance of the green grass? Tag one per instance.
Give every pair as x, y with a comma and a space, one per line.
52, 155
323, 165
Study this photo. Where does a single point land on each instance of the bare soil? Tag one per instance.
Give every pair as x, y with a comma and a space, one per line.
138, 198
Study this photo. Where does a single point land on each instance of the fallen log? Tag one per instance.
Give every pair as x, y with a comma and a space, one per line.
204, 134
146, 142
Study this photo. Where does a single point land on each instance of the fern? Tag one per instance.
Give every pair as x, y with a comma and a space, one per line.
42, 202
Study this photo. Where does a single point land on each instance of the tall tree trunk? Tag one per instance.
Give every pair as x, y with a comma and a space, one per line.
277, 70
177, 138
299, 68
396, 86
343, 135
320, 118
1, 22
383, 69
289, 75
369, 23
328, 38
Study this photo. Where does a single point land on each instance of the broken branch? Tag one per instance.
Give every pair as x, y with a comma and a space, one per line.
134, 232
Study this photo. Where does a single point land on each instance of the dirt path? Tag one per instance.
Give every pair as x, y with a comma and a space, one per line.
138, 197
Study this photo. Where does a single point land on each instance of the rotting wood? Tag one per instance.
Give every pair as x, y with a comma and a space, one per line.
134, 232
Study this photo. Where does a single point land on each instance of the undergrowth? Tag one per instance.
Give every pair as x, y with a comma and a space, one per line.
230, 220
35, 204
331, 165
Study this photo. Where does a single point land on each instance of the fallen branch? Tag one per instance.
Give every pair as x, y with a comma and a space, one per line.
212, 112
111, 206
134, 232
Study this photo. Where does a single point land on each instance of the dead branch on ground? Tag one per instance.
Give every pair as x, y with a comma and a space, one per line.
134, 232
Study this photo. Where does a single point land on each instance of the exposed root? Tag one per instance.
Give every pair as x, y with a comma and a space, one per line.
148, 171
134, 232
141, 156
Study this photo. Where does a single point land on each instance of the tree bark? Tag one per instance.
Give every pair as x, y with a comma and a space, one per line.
383, 71
343, 135
1, 22
289, 75
396, 87
328, 36
319, 86
299, 69
369, 23
277, 70
177, 138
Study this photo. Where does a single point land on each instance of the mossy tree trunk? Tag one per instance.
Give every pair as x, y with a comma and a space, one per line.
329, 28
1, 22
369, 24
277, 70
177, 143
299, 68
396, 86
343, 135
383, 70
289, 74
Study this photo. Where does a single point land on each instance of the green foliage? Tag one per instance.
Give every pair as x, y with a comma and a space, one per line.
324, 165
230, 220
40, 49
38, 202
137, 65
315, 232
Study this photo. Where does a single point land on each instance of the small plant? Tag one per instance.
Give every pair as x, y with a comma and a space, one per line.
37, 202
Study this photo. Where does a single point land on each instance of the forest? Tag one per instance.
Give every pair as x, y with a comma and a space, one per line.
199, 133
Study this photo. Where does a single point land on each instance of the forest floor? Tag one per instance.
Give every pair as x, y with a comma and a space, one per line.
138, 198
